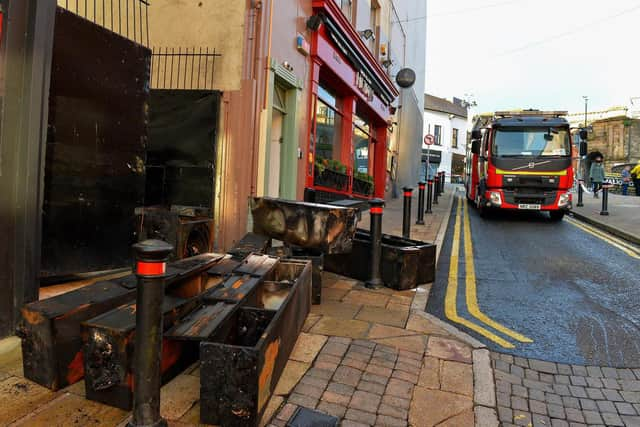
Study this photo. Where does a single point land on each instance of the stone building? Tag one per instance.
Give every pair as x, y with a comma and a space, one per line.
617, 138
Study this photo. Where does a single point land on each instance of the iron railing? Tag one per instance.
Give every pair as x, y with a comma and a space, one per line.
183, 68
128, 18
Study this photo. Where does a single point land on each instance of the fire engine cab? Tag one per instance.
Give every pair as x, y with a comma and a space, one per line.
520, 160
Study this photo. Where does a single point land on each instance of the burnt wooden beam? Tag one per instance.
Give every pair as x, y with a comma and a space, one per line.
242, 362
251, 243
201, 323
108, 351
50, 329
256, 265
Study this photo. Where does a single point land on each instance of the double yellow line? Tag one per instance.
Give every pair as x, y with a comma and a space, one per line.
625, 247
471, 295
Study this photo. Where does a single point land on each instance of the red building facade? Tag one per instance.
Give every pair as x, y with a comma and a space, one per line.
349, 107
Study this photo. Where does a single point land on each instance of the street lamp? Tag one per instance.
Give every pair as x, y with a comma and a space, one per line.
586, 100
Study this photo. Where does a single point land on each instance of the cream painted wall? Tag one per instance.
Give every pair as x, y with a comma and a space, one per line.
215, 24
174, 24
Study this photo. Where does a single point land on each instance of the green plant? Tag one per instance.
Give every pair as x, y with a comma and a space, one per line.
362, 176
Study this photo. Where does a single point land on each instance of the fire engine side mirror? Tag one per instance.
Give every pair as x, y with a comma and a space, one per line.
475, 146
583, 148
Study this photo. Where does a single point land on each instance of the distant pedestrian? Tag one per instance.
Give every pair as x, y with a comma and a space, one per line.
635, 176
626, 179
596, 174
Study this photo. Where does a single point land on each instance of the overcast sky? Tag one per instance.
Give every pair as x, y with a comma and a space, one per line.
542, 54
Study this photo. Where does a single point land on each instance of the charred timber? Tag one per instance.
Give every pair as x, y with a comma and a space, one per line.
327, 228
242, 363
405, 263
50, 329
110, 338
250, 243
108, 351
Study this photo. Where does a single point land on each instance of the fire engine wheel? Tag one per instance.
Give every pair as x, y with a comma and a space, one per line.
556, 215
482, 210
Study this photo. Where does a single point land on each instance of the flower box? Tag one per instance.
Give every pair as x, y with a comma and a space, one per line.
331, 179
362, 187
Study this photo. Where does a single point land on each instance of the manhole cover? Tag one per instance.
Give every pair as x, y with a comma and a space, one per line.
304, 417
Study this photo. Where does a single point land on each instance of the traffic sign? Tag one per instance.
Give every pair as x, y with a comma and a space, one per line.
429, 139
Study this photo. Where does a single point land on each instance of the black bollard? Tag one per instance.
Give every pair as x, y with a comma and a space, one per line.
375, 211
442, 178
436, 189
605, 199
429, 195
580, 192
420, 220
406, 212
151, 257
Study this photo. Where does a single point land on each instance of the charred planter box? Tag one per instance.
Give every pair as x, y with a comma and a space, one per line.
50, 329
405, 263
109, 342
317, 266
326, 228
240, 365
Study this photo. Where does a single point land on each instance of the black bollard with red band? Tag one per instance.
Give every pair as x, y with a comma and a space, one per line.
406, 212
420, 220
429, 195
442, 179
605, 199
151, 264
580, 192
375, 211
436, 188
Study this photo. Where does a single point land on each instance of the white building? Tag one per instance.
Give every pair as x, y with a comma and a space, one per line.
447, 122
407, 45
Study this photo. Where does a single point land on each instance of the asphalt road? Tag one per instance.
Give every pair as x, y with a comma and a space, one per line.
534, 288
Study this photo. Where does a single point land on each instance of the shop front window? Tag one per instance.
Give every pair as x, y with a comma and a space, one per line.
329, 170
362, 177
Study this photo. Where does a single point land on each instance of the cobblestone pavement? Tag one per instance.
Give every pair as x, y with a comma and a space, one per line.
537, 393
368, 359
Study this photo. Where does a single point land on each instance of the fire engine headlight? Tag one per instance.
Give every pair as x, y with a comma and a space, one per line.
495, 198
564, 199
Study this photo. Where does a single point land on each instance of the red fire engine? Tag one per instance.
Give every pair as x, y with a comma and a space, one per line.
520, 160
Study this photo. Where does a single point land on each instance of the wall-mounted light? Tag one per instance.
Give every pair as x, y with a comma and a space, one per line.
314, 22
367, 34
288, 66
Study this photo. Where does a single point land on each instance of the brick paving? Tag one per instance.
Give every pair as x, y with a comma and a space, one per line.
397, 368
374, 358
538, 393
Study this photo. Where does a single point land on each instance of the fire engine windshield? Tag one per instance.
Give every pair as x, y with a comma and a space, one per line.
534, 142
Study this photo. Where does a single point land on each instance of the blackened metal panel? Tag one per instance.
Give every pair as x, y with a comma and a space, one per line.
327, 228
94, 173
181, 154
405, 263
24, 87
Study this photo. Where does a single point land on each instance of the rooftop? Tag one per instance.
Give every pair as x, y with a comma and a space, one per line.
433, 103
